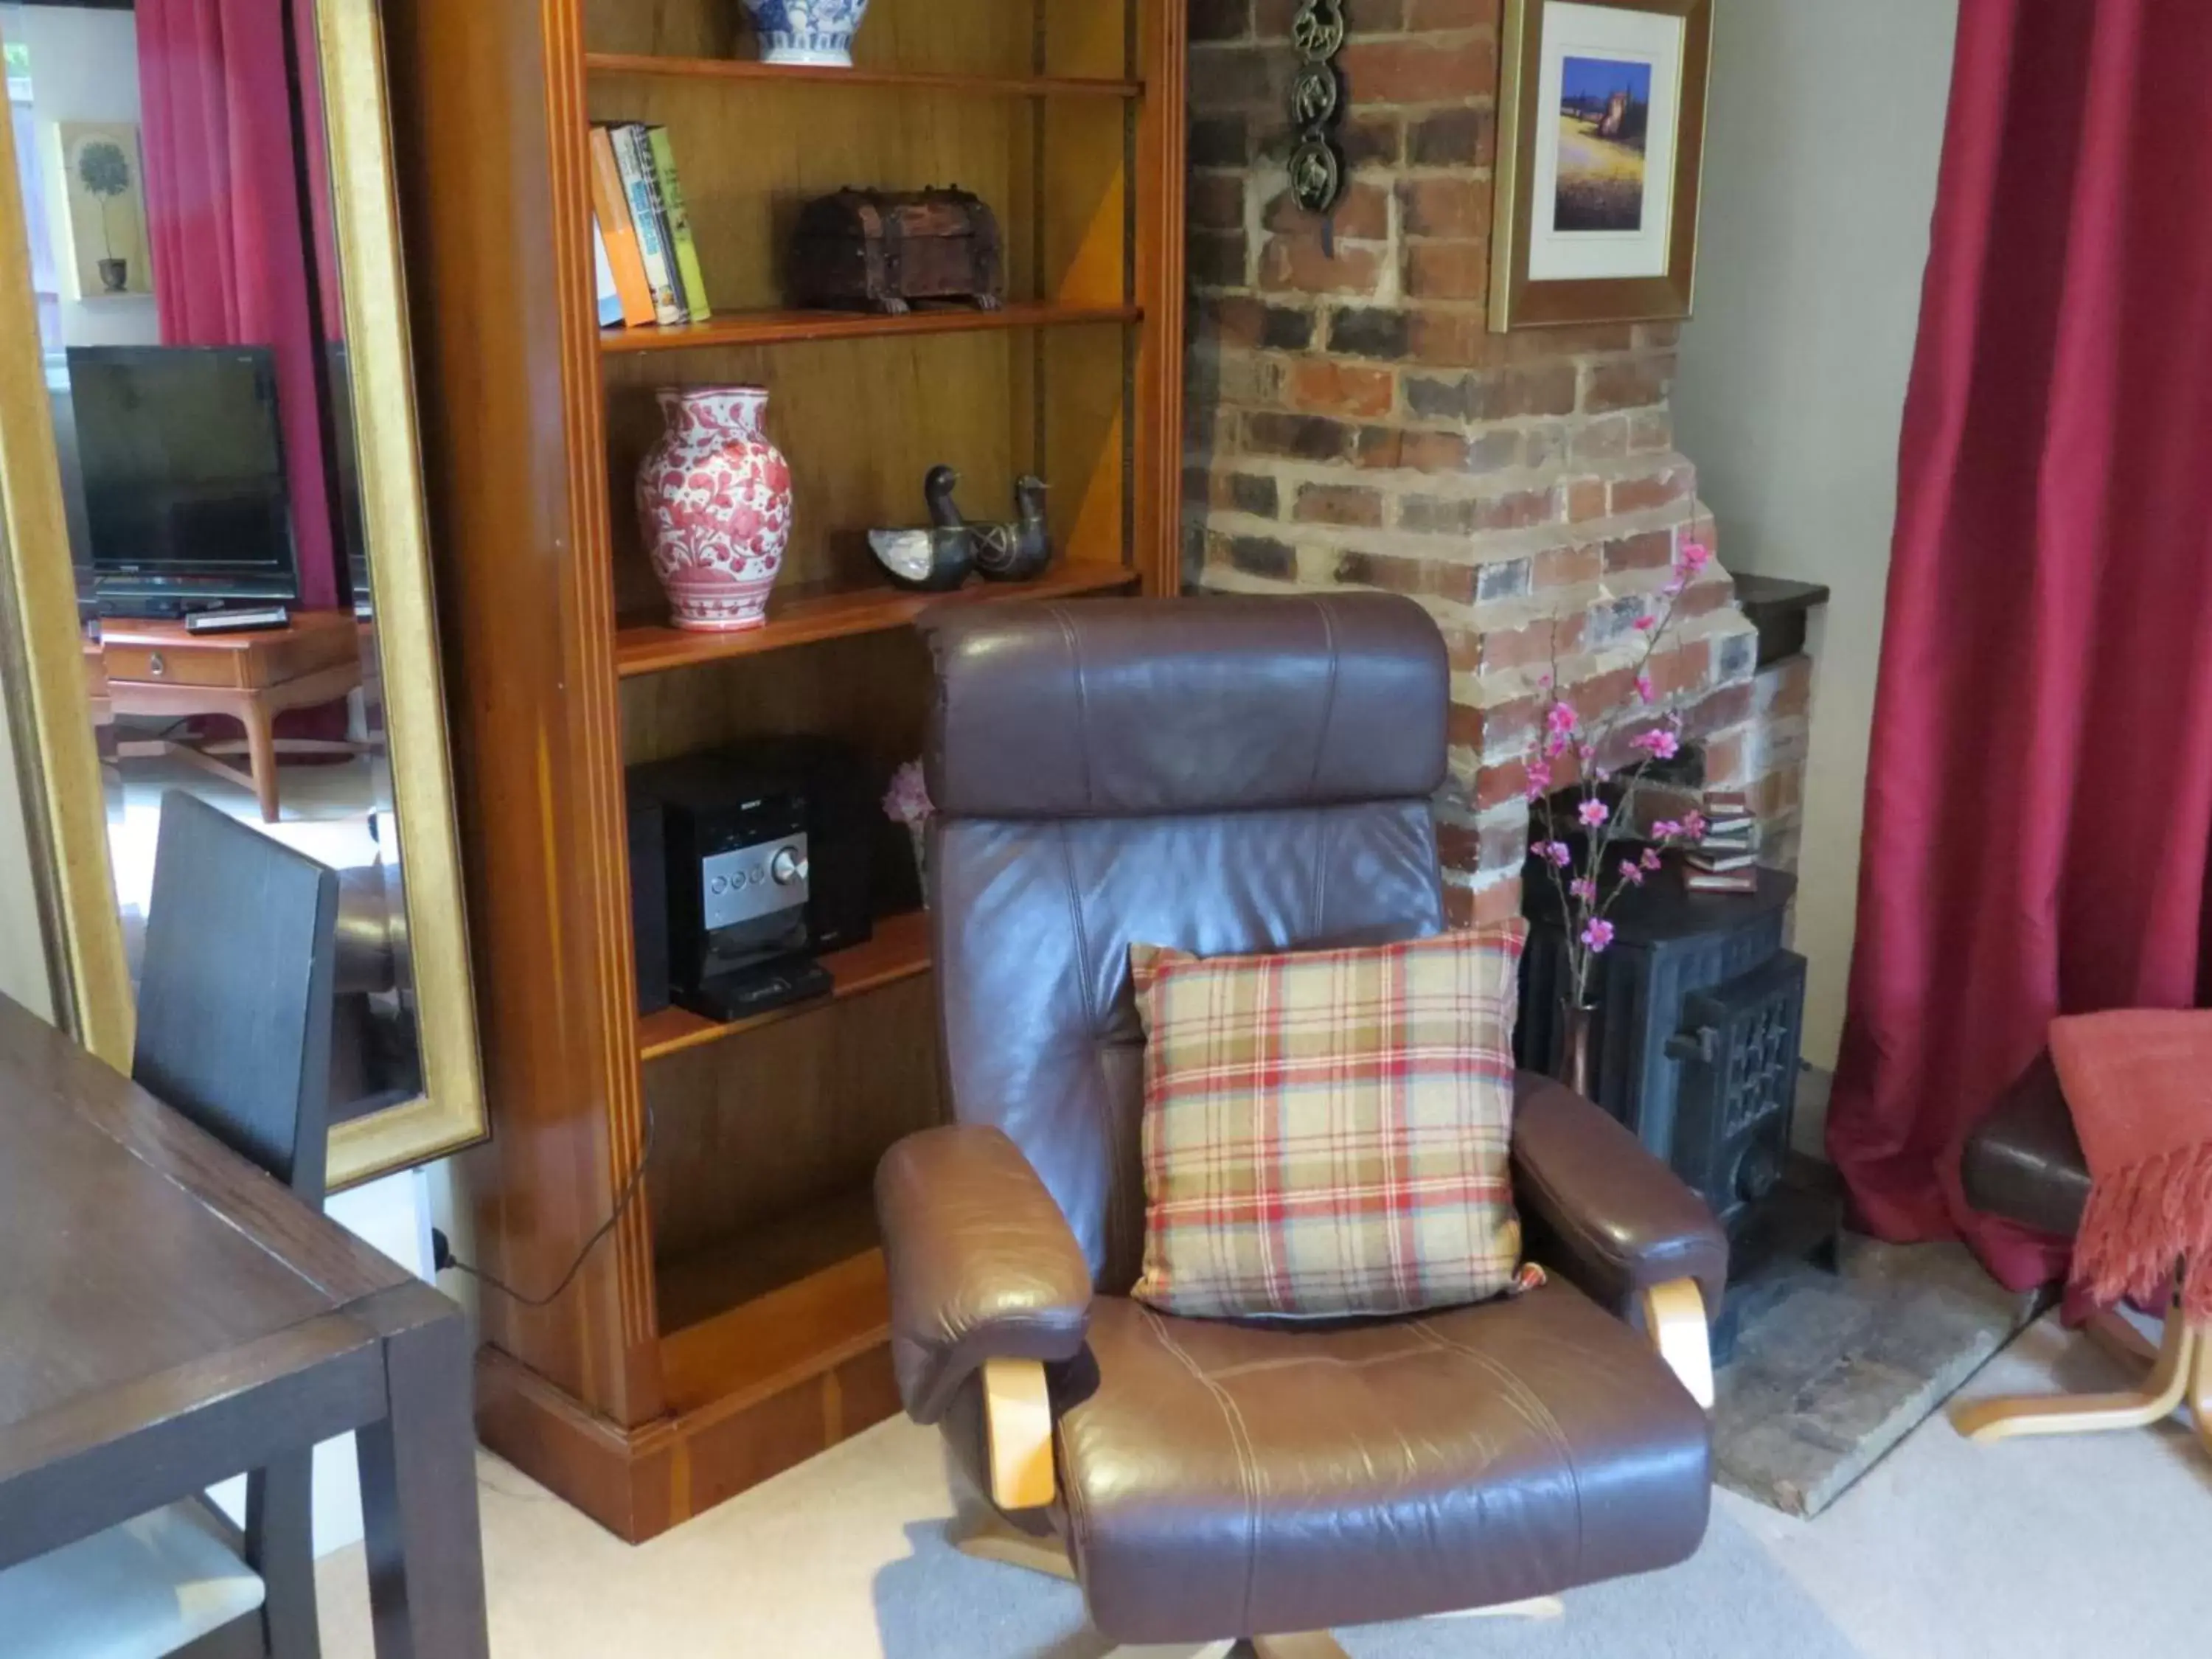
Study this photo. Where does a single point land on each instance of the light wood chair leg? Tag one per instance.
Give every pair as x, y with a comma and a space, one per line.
990, 1539
2111, 1331
1675, 1319
2200, 1388
1017, 1423
1537, 1606
2168, 1385
1320, 1644
1314, 1645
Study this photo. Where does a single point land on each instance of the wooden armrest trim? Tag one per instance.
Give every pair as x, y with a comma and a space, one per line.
1675, 1319
1018, 1422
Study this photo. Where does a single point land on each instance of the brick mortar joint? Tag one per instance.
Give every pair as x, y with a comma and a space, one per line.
1466, 485
1454, 548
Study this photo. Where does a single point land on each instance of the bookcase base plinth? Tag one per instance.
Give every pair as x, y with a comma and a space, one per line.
639, 1482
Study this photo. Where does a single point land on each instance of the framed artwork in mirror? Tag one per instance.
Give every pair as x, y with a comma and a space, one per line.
1601, 147
239, 448
97, 172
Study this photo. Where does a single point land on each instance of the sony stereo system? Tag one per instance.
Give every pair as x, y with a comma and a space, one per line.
748, 863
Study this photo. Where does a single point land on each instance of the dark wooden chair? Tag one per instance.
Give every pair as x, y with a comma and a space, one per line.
235, 1008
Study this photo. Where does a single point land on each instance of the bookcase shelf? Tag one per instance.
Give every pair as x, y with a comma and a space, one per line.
733, 1320
772, 1307
899, 950
742, 70
781, 327
803, 619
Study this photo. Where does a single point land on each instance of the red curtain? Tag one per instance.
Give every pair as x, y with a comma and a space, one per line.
223, 210
2040, 809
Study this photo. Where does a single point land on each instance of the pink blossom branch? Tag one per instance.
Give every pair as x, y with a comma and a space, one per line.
1584, 904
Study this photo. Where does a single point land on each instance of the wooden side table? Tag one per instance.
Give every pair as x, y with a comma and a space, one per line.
157, 668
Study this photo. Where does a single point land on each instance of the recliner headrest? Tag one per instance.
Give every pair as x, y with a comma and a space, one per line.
1147, 708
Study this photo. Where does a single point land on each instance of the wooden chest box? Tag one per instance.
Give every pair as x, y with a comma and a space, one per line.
877, 250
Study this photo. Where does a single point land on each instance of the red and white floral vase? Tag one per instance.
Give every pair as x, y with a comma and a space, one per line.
714, 498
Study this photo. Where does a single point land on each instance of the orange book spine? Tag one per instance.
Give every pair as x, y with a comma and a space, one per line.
611, 202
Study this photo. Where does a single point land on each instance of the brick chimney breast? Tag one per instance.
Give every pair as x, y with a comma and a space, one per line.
1353, 423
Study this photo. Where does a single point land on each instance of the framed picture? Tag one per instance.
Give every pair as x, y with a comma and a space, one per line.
103, 204
1602, 129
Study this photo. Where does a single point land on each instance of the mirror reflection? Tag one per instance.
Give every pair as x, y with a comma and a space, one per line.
178, 197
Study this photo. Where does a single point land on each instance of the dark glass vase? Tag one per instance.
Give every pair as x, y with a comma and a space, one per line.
1572, 1063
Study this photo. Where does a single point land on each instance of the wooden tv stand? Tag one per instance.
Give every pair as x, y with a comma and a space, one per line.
158, 668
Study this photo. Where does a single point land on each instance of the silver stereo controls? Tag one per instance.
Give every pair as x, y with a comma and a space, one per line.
762, 880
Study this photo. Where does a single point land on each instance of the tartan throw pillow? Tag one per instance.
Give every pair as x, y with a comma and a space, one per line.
1325, 1132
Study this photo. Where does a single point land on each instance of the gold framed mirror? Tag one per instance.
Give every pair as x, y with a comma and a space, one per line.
110, 699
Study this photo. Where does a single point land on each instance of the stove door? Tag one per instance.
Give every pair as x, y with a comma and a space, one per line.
1738, 1048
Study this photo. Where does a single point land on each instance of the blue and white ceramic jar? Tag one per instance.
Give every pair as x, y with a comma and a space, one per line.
807, 30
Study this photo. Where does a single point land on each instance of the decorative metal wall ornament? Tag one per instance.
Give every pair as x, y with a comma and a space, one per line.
1316, 99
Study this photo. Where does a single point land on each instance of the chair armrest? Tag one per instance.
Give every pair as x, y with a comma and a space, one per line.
1598, 1207
982, 1264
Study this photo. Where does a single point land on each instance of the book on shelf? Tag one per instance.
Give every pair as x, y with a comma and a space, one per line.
603, 278
610, 211
1730, 841
1742, 840
1709, 881
1711, 863
690, 279
643, 191
1725, 859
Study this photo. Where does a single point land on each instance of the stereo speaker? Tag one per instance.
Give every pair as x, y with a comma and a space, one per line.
648, 900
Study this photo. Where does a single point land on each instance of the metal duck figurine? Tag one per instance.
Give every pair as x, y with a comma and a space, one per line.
1018, 551
938, 558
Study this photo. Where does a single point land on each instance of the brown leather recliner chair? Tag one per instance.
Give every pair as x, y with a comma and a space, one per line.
1227, 776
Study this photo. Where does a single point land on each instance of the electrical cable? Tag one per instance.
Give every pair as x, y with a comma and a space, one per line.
442, 1256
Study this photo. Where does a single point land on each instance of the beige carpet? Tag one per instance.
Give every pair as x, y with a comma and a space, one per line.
2062, 1548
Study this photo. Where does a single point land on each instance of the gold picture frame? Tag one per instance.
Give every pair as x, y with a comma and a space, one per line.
41, 647
42, 658
1600, 150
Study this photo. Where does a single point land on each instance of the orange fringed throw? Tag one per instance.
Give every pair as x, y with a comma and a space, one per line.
2139, 1084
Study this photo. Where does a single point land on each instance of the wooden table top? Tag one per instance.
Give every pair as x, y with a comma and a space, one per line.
170, 1316
143, 1266
146, 631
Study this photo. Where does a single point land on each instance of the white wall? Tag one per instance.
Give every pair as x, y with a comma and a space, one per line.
1823, 139
84, 67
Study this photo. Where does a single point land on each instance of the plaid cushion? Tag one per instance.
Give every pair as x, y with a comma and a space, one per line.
1327, 1133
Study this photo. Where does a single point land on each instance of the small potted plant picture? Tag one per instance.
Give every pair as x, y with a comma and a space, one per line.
104, 172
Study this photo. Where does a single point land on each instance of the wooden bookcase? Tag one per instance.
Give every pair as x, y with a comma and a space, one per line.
735, 1321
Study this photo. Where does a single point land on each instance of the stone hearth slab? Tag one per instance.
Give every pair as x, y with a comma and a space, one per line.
1832, 1371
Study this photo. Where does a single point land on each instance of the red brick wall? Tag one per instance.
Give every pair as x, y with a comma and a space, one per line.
1353, 423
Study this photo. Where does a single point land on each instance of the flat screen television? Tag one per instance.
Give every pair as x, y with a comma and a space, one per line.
182, 460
